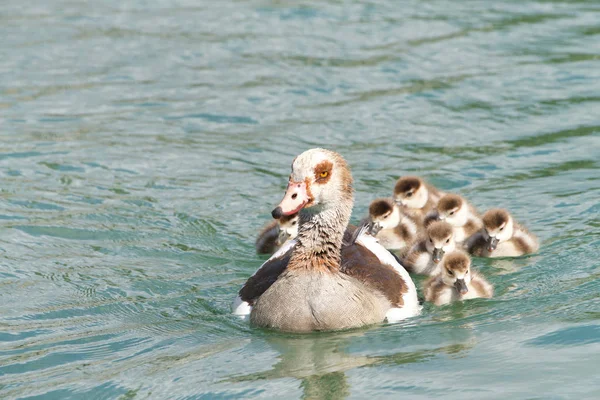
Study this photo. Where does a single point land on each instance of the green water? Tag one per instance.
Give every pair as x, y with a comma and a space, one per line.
143, 145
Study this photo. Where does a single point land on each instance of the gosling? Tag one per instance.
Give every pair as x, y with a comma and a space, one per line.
275, 234
416, 197
425, 256
393, 229
463, 217
456, 281
502, 236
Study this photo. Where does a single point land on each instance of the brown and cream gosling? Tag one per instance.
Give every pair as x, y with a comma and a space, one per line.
463, 217
393, 229
275, 234
502, 236
425, 256
456, 281
416, 197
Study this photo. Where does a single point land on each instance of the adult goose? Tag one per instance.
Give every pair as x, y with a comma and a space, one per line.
322, 280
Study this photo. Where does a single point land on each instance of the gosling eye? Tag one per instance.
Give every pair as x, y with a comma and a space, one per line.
451, 213
294, 223
450, 272
502, 228
409, 194
430, 240
385, 216
448, 240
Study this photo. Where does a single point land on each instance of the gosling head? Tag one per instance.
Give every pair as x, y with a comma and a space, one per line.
440, 240
456, 271
383, 214
411, 192
288, 228
320, 180
453, 209
498, 227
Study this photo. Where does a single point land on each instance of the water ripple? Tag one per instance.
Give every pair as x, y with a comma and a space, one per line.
144, 146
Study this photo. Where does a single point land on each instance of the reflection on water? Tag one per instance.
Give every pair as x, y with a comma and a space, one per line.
143, 145
320, 362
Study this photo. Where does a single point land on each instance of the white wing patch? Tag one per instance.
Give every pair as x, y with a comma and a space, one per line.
411, 305
241, 307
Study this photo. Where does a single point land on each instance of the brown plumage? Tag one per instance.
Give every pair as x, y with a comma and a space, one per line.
380, 206
449, 202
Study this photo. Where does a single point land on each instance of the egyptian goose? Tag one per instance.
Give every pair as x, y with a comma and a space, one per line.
315, 283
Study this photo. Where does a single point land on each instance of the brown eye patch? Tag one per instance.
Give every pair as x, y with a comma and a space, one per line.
323, 171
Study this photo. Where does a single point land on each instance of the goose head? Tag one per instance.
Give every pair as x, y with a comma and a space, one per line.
320, 180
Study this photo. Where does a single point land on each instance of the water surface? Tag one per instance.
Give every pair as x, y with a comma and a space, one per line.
143, 144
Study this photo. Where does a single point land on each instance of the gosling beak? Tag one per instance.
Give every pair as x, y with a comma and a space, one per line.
399, 202
461, 286
437, 255
492, 243
375, 228
283, 237
295, 198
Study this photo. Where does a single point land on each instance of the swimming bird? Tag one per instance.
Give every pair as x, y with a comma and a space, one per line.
314, 282
416, 197
463, 217
392, 228
456, 281
425, 255
275, 234
502, 236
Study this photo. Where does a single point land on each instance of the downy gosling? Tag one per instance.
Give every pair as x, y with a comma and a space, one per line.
425, 255
502, 236
456, 281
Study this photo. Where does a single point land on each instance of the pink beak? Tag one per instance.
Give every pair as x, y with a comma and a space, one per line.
295, 198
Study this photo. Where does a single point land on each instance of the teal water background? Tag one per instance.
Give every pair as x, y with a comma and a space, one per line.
144, 143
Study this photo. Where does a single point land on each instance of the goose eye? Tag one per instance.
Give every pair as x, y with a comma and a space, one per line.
431, 240
294, 223
324, 174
